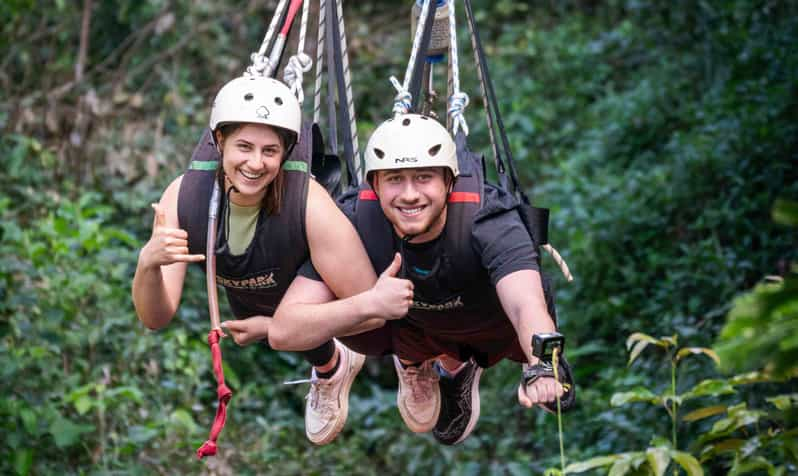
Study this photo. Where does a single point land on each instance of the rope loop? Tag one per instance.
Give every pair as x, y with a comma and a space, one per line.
458, 101
403, 100
297, 65
260, 64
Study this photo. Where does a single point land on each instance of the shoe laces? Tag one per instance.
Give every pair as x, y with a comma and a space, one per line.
320, 394
421, 380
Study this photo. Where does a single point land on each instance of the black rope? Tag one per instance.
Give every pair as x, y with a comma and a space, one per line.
495, 121
343, 120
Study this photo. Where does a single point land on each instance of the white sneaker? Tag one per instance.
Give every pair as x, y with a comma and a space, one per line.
327, 404
419, 396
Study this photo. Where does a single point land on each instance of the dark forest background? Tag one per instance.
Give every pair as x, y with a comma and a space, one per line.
662, 134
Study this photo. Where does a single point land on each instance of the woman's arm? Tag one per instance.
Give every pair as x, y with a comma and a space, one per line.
161, 267
309, 315
335, 247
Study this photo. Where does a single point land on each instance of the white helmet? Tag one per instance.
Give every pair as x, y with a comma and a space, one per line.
411, 141
259, 100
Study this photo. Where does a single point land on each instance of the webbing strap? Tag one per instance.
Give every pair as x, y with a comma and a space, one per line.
421, 56
495, 124
333, 24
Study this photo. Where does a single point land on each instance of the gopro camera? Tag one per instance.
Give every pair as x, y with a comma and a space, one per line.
543, 345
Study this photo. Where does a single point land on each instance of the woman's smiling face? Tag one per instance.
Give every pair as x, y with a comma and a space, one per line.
252, 156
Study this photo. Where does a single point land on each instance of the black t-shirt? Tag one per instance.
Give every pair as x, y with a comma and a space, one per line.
451, 305
498, 237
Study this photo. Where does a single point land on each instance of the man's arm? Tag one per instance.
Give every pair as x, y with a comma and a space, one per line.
521, 295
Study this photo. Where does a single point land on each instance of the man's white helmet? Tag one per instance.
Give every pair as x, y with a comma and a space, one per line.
259, 100
410, 141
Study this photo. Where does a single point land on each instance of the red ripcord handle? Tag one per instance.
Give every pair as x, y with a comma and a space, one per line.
223, 393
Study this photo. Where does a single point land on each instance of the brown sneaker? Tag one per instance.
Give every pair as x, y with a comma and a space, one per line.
418, 397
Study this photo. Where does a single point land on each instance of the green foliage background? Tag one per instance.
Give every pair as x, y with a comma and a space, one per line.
659, 133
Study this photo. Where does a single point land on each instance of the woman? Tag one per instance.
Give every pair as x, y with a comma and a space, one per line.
273, 217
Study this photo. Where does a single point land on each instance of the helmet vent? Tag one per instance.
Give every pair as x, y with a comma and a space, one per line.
433, 151
278, 100
406, 122
249, 97
379, 153
425, 118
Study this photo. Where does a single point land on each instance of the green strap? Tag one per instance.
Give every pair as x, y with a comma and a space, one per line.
203, 164
295, 166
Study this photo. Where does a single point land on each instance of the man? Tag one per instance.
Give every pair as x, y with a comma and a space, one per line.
477, 293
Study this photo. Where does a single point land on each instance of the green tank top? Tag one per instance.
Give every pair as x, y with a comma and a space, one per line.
243, 221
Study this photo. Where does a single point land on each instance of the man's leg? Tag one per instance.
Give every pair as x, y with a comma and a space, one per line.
326, 409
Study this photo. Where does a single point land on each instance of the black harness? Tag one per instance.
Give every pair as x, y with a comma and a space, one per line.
256, 280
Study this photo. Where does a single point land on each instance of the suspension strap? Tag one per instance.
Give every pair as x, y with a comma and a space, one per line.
535, 219
260, 61
495, 123
343, 79
556, 365
404, 101
458, 100
320, 35
300, 63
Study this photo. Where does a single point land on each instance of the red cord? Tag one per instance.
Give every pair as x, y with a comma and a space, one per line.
223, 393
289, 18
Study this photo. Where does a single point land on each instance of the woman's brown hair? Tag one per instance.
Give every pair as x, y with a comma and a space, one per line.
272, 199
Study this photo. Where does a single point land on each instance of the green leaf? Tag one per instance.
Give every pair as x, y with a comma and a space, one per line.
705, 412
636, 350
658, 459
751, 465
141, 434
591, 463
785, 212
183, 418
750, 377
784, 402
130, 393
697, 350
23, 460
638, 337
636, 395
621, 467
29, 421
731, 444
83, 403
668, 341
688, 463
66, 433
708, 388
